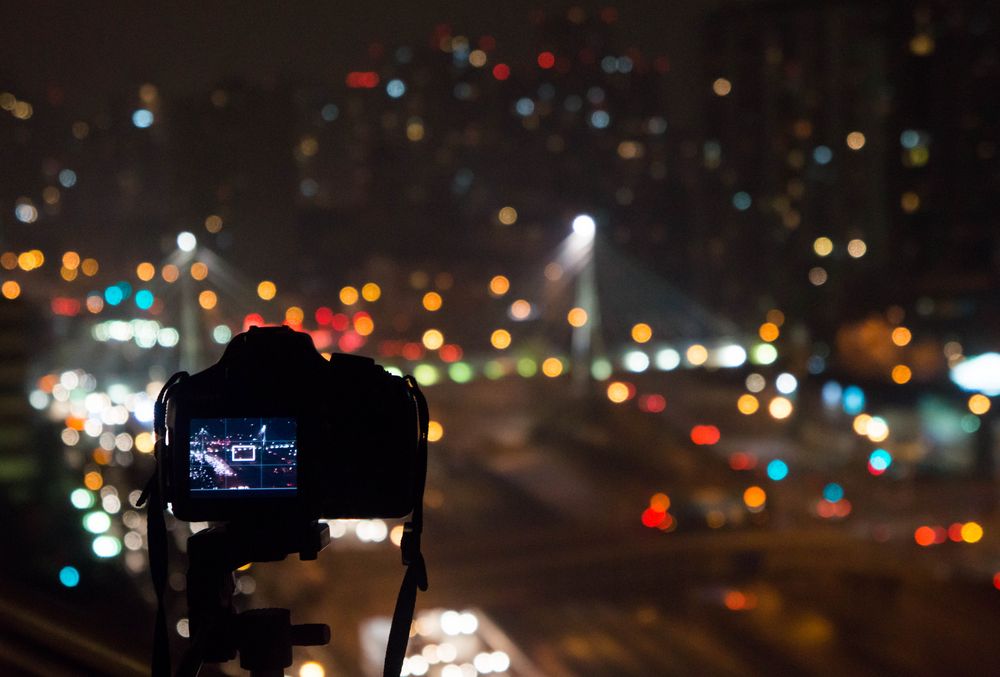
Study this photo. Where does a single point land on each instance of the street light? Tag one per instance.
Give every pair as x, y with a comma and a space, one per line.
186, 241
981, 373
584, 226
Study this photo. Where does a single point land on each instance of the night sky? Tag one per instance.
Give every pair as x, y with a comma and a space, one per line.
94, 50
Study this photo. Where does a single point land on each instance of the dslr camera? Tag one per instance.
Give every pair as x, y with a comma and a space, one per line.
274, 431
269, 440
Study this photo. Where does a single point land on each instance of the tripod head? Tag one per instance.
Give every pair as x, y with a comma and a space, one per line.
263, 638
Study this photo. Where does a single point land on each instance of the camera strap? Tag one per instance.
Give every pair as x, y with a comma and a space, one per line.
156, 532
413, 559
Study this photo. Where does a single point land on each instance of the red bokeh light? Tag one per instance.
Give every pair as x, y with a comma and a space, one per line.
955, 532
450, 352
546, 60
652, 518
741, 460
875, 471
362, 79
322, 338
350, 341
705, 435
62, 305
924, 536
390, 348
501, 71
253, 320
654, 403
412, 351
323, 315
340, 321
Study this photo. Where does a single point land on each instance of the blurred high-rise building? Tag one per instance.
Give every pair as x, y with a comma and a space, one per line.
850, 151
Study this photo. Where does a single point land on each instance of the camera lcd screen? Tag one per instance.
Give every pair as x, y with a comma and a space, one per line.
234, 456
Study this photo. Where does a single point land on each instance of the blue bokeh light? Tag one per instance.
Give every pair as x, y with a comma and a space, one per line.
69, 576
113, 295
142, 118
777, 470
144, 299
833, 492
854, 400
880, 460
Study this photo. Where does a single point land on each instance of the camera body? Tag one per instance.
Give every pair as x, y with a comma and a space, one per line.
273, 431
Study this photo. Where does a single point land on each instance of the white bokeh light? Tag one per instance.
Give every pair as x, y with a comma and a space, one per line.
186, 241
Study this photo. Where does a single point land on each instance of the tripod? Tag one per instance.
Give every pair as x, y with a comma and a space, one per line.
263, 638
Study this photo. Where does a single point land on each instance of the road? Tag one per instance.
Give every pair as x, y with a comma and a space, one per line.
533, 516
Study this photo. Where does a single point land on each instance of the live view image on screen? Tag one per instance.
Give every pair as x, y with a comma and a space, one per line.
248, 454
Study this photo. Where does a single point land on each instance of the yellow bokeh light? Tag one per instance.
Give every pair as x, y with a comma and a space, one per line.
747, 404
499, 285
659, 502
10, 289
642, 332
312, 669
145, 271
213, 223
371, 292
697, 354
500, 339
776, 316
520, 309
8, 260
435, 431
266, 290
901, 336
433, 339
860, 423
507, 216
617, 392
415, 130
901, 374
754, 497
70, 260
577, 317
93, 480
364, 325
294, 315
170, 273
780, 407
922, 44
145, 442
768, 332
199, 270
552, 367
432, 301
477, 58
855, 140
348, 296
823, 246
69, 274
27, 261
89, 267
909, 202
722, 87
857, 248
972, 532
979, 404
207, 299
